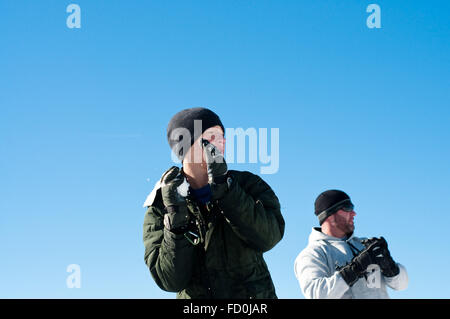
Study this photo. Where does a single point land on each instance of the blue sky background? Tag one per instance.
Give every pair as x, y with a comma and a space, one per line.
84, 112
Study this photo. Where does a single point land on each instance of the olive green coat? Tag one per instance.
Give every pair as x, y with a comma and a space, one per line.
229, 263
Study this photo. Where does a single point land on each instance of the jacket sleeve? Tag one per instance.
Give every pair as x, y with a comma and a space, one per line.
168, 256
313, 274
399, 282
254, 214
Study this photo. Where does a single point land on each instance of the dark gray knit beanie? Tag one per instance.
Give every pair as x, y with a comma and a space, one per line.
186, 126
329, 202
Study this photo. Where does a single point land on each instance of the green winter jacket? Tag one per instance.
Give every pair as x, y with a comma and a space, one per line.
229, 263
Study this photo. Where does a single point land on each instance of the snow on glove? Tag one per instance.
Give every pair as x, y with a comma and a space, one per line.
217, 170
378, 248
177, 217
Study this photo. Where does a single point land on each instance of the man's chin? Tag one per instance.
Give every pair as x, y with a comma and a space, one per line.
350, 231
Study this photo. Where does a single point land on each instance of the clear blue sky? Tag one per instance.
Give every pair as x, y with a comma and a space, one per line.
84, 112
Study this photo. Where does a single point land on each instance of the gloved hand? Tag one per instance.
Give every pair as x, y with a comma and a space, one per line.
356, 268
176, 218
217, 170
378, 248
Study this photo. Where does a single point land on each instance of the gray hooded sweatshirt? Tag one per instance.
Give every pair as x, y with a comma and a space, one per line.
315, 269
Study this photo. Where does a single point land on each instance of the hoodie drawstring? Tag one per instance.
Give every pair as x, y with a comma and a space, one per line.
355, 251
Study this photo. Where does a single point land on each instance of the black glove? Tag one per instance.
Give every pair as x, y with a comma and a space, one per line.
176, 219
217, 170
356, 268
378, 248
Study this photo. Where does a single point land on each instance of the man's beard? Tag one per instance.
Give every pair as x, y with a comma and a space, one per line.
349, 230
346, 227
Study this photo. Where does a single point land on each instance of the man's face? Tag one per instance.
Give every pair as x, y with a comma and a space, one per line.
343, 220
215, 136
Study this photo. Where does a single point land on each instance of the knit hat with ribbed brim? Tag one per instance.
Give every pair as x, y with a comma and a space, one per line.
328, 202
189, 123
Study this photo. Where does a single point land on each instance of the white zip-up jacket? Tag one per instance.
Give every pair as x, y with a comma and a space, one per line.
315, 269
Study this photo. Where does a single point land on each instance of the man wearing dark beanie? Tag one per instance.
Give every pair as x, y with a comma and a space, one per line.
336, 264
206, 227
